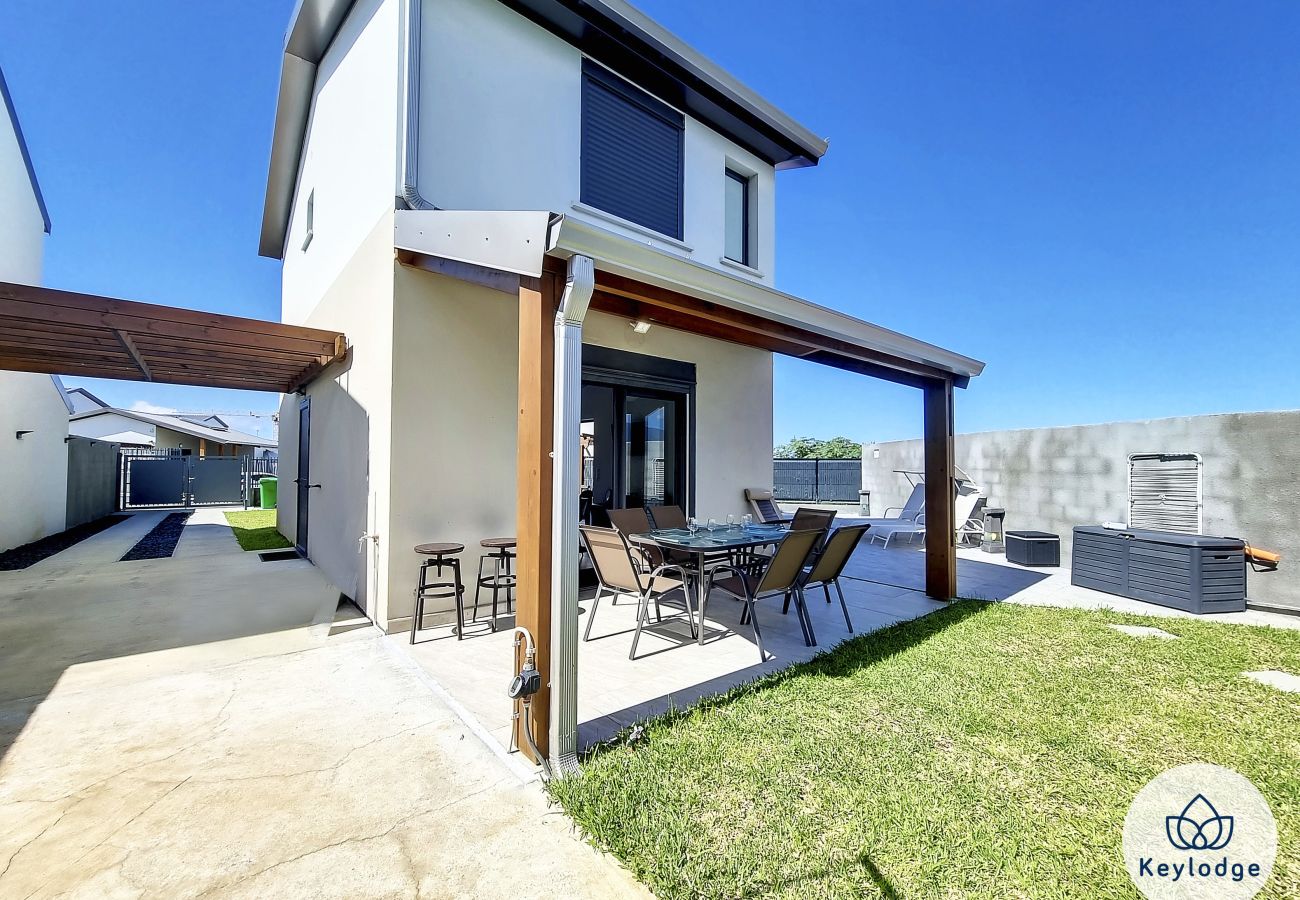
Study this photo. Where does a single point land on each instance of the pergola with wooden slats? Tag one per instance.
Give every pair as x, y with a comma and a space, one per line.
67, 333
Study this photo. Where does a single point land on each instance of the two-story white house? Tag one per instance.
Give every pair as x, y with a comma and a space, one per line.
447, 174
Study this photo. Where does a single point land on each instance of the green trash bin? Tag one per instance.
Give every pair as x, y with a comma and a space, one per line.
269, 487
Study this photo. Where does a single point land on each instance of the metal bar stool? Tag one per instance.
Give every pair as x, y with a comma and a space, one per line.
439, 555
502, 577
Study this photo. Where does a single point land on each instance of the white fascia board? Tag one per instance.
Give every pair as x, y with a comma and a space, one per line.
634, 259
508, 241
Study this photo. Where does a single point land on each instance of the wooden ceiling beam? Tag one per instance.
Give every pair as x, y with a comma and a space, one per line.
766, 333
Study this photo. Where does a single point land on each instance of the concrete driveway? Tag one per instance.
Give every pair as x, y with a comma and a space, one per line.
201, 726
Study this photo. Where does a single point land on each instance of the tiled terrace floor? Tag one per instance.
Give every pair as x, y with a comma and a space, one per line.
882, 587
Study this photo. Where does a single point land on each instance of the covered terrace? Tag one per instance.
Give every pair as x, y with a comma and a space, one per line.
560, 267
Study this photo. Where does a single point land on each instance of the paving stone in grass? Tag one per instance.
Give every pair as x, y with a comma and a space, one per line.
1283, 681
1144, 631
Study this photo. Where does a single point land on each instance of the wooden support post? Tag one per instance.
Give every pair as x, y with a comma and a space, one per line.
940, 529
533, 493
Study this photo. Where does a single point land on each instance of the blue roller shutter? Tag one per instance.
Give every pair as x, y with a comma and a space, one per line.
631, 153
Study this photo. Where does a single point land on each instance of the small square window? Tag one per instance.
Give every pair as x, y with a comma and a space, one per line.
311, 219
737, 204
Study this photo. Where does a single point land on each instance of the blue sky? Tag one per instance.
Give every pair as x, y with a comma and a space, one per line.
1099, 200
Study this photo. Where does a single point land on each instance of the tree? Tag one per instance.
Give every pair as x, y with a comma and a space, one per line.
816, 448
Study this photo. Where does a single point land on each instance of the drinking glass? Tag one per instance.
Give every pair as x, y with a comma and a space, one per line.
747, 520
692, 525
713, 524
731, 522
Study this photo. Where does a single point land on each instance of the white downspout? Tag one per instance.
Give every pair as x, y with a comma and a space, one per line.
410, 163
578, 287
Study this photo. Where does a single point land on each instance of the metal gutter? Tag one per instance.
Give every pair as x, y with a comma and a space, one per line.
22, 148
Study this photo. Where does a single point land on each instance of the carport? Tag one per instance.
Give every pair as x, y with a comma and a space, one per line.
67, 333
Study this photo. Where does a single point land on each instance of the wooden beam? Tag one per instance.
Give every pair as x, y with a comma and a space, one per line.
129, 346
49, 297
533, 493
940, 528
222, 333
747, 328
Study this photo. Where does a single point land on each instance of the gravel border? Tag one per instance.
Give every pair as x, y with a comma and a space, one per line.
31, 554
160, 542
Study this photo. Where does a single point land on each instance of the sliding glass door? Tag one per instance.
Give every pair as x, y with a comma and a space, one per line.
634, 446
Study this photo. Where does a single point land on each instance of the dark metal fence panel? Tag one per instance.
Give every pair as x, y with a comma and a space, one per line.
263, 465
795, 479
817, 480
839, 480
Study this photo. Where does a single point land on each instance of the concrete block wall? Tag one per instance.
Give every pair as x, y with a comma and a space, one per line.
1051, 479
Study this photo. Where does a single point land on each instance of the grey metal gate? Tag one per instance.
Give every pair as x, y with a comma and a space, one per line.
162, 478
216, 480
153, 480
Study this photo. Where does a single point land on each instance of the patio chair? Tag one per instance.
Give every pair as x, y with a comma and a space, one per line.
806, 518
828, 568
668, 516
617, 571
908, 512
780, 577
628, 522
963, 515
765, 508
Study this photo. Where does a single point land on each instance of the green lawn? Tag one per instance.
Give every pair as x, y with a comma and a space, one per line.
255, 530
988, 750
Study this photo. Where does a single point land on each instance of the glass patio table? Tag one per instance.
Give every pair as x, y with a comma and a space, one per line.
707, 542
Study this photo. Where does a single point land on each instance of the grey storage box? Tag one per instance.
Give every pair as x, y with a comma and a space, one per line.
1192, 572
1033, 548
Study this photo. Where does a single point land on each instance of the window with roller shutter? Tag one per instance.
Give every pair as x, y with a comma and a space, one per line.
631, 153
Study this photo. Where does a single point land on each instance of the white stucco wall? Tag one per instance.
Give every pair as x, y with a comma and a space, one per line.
22, 229
33, 470
349, 155
351, 427
455, 415
733, 400
500, 128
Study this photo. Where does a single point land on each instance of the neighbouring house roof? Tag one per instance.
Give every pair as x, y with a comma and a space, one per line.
22, 148
184, 425
612, 32
81, 400
516, 242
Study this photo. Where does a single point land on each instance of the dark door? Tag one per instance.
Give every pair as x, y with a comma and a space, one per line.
635, 444
303, 480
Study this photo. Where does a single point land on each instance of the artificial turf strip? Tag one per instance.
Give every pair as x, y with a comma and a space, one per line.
31, 554
986, 750
255, 530
161, 541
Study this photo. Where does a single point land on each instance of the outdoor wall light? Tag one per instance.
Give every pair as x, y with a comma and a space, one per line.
640, 326
875, 453
19, 435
